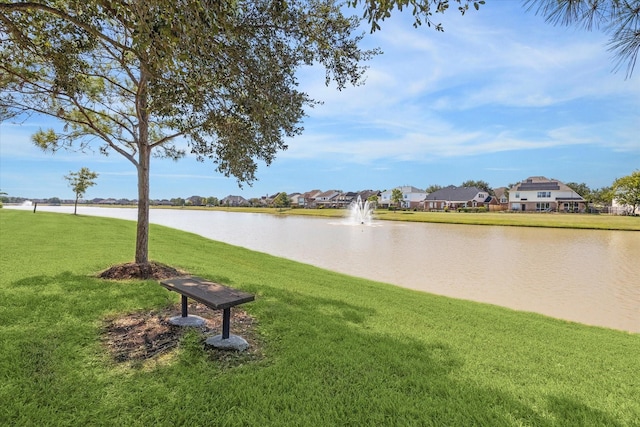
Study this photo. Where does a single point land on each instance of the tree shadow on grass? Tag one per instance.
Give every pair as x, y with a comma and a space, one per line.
364, 377
569, 412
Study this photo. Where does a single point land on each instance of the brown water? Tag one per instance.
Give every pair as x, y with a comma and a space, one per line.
586, 276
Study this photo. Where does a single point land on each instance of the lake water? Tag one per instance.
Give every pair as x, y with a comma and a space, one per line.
587, 276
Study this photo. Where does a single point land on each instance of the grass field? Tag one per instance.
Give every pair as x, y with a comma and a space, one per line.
335, 350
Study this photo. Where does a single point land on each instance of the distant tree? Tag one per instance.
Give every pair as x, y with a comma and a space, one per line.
373, 200
2, 198
212, 201
396, 197
178, 201
482, 185
602, 196
582, 188
620, 19
433, 188
282, 201
55, 201
626, 191
79, 182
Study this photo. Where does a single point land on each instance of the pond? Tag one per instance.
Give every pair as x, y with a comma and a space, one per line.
586, 276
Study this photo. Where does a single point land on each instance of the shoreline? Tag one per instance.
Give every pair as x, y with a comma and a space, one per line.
502, 219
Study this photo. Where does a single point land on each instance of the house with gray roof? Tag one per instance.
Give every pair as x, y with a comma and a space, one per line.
308, 199
453, 197
540, 194
328, 199
234, 201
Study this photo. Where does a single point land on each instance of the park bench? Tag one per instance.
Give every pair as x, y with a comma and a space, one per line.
213, 295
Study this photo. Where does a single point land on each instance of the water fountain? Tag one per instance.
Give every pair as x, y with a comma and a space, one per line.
360, 212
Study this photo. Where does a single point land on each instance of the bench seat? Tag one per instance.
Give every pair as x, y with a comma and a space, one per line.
211, 294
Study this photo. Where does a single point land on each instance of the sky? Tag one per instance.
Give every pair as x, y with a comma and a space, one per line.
499, 96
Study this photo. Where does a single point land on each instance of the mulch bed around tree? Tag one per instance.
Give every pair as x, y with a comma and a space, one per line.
153, 270
145, 335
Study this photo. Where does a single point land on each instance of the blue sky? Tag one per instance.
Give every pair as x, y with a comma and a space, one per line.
499, 96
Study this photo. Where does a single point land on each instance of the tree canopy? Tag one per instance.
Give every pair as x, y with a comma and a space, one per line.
620, 19
626, 191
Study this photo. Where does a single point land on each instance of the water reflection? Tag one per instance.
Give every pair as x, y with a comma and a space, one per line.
588, 276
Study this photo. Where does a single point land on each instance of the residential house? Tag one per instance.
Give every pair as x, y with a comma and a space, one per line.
412, 197
620, 209
196, 201
344, 199
501, 198
328, 199
295, 199
453, 197
234, 201
540, 194
366, 194
308, 199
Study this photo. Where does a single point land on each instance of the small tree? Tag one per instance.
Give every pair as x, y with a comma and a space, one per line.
626, 191
282, 201
80, 181
373, 200
396, 197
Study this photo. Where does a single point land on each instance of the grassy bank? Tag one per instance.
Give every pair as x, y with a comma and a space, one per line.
336, 350
553, 220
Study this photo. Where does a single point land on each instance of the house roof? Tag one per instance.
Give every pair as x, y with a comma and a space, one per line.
500, 191
237, 199
540, 183
328, 194
311, 194
454, 194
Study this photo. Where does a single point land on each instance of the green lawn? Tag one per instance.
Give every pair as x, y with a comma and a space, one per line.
337, 350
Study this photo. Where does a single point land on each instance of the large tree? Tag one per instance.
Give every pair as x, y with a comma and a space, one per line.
163, 77
620, 19
626, 191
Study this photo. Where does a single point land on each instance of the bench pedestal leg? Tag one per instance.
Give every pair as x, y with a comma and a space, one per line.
226, 320
226, 340
184, 306
184, 319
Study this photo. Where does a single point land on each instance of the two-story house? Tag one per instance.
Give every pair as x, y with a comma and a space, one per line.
540, 194
412, 197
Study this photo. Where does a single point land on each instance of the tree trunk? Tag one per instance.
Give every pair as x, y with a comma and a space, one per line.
75, 206
142, 234
144, 157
